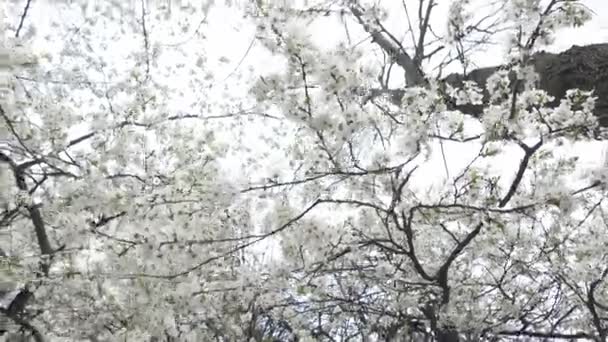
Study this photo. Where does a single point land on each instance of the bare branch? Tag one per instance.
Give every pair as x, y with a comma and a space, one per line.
413, 74
22, 19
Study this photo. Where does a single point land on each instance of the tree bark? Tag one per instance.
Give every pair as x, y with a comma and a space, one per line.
448, 335
582, 67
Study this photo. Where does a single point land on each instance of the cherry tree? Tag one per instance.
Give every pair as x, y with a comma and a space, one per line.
118, 219
141, 193
487, 249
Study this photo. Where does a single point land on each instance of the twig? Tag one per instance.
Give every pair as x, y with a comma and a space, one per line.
22, 20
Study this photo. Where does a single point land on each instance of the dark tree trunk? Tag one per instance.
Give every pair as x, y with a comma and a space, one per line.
583, 67
448, 335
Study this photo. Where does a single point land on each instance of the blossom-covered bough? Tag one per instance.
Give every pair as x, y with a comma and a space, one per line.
117, 218
412, 242
377, 198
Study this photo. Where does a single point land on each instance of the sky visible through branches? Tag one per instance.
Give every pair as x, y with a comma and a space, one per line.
242, 171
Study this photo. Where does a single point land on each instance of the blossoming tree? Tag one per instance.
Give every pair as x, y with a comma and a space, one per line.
398, 239
134, 208
116, 216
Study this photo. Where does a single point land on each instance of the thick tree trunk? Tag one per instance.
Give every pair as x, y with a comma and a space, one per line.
583, 67
448, 335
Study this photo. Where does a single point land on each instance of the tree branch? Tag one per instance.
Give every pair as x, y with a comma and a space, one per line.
22, 20
413, 74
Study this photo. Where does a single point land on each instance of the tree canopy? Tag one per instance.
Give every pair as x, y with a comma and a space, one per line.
353, 175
